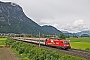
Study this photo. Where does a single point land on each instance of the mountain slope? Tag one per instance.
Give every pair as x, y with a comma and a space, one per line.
51, 29
13, 20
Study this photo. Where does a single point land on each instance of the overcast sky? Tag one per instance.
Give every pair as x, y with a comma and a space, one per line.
69, 15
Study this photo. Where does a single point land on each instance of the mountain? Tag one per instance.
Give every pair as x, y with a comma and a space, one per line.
82, 33
51, 29
68, 33
13, 20
85, 32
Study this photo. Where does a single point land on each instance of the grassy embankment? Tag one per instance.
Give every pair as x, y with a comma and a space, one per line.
80, 43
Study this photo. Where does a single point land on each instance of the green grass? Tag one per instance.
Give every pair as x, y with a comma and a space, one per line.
80, 43
3, 38
2, 41
83, 39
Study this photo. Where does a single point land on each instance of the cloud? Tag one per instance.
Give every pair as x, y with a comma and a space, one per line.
76, 26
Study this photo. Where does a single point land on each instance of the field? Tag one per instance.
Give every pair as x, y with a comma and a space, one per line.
80, 43
2, 41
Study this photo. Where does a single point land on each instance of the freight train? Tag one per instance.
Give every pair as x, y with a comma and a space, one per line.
54, 42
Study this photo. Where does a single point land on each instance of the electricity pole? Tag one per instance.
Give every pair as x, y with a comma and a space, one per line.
39, 39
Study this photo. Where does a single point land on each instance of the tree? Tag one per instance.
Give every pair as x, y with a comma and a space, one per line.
62, 36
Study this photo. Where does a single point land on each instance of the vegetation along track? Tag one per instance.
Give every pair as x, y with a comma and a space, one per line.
74, 52
79, 53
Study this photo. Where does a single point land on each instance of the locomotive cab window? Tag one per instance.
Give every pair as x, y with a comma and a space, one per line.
66, 42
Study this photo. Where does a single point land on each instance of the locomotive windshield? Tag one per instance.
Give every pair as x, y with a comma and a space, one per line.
66, 42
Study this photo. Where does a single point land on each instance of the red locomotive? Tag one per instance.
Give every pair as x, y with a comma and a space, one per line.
60, 43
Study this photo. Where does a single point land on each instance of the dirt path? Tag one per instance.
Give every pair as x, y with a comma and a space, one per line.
7, 54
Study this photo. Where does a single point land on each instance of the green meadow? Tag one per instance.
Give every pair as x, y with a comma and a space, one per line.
80, 43
2, 41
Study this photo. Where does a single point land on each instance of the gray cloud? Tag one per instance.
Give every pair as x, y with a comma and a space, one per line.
58, 12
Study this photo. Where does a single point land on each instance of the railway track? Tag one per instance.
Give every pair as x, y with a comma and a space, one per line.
74, 52
79, 53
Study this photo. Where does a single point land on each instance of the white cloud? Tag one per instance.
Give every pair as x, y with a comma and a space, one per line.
77, 26
78, 23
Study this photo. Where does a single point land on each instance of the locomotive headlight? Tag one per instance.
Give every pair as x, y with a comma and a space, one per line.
66, 45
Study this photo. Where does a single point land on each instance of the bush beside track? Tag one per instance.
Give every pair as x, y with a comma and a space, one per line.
28, 51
